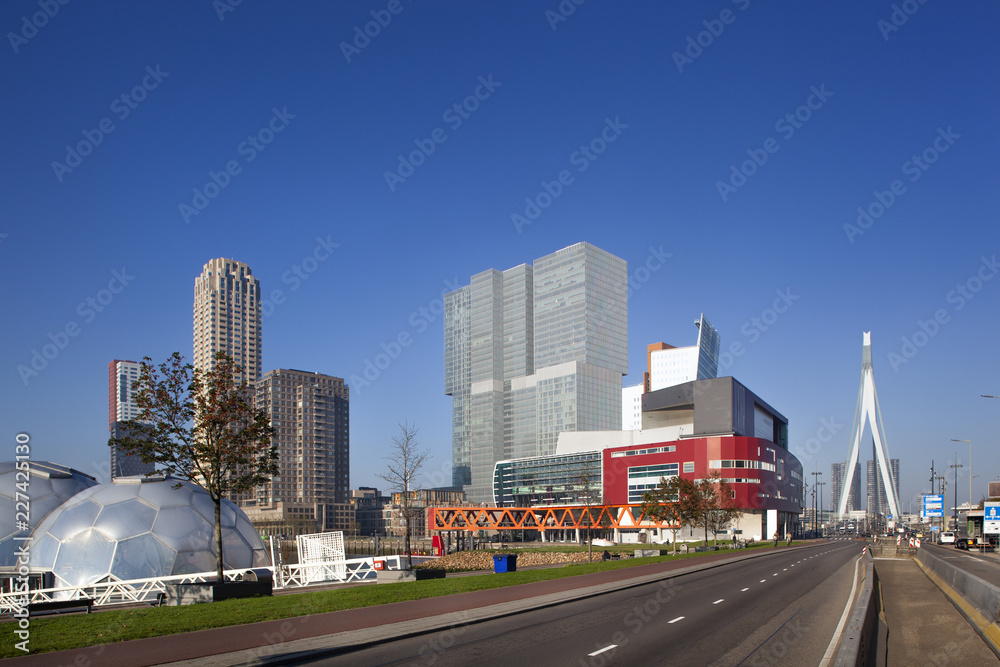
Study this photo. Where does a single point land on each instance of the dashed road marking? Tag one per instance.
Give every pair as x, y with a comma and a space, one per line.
744, 590
719, 600
675, 620
606, 648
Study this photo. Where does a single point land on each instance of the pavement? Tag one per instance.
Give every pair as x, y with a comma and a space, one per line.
925, 628
924, 625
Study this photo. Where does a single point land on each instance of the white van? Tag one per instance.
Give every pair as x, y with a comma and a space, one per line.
947, 537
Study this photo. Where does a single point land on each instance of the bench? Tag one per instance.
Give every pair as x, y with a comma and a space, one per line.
60, 605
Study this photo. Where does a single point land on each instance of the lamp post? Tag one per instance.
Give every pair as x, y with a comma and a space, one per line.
816, 476
970, 468
954, 509
821, 485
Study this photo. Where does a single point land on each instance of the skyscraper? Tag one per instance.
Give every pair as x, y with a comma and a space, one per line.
877, 502
532, 351
670, 366
227, 317
122, 407
838, 473
310, 415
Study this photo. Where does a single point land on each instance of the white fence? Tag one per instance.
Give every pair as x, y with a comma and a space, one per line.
148, 590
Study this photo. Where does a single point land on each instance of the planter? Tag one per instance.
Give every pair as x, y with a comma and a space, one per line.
211, 591
392, 576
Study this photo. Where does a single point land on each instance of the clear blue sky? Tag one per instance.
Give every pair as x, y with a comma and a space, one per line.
330, 112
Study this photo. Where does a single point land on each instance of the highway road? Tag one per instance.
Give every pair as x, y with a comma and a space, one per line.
778, 609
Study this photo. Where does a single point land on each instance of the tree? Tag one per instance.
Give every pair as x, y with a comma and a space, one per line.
671, 503
716, 505
405, 460
198, 425
592, 496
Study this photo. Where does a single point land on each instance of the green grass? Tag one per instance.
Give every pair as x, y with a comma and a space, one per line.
80, 631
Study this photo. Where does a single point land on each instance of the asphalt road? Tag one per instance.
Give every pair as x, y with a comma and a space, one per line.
781, 609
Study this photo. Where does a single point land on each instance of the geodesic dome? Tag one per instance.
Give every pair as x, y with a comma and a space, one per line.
141, 527
49, 485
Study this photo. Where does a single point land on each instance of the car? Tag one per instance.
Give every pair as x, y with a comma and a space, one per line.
947, 537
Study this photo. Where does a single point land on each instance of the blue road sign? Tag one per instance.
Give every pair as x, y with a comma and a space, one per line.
933, 506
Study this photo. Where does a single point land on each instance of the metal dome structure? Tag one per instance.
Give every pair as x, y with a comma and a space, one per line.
49, 485
138, 528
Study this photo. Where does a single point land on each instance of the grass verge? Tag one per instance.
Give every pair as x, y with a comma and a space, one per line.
84, 630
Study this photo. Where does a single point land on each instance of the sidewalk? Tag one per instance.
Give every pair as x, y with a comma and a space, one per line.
273, 641
924, 626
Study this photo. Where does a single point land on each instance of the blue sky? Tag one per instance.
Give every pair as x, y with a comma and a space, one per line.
737, 137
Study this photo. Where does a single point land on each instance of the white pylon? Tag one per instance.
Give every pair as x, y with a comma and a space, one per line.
868, 410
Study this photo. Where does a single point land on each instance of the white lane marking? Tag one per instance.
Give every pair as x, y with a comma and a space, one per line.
763, 580
835, 641
775, 574
744, 590
719, 600
675, 620
785, 570
606, 648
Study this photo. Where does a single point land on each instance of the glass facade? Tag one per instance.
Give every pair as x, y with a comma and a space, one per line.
530, 352
568, 479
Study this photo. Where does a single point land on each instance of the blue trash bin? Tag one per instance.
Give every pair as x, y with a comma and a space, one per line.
505, 563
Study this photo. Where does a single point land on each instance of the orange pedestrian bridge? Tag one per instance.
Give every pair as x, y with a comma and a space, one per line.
471, 519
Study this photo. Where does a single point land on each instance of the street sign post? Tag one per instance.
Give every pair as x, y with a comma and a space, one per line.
991, 518
934, 506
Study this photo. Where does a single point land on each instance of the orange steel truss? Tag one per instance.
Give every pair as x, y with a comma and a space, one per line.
541, 518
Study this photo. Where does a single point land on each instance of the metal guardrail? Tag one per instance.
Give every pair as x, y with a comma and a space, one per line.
149, 590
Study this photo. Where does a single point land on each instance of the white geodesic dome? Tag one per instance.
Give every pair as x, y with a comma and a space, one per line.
49, 485
141, 527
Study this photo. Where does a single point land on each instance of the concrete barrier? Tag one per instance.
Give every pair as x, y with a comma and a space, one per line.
866, 635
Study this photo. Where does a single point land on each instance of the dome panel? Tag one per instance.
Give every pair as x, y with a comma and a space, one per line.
142, 557
43, 551
121, 520
84, 558
74, 519
235, 550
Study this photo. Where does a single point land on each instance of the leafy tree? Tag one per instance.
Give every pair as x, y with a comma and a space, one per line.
199, 425
716, 506
405, 460
671, 503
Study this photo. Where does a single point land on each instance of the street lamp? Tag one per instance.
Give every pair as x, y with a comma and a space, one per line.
970, 468
821, 485
815, 484
956, 466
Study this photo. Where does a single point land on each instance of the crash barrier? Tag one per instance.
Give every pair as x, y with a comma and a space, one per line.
866, 634
980, 600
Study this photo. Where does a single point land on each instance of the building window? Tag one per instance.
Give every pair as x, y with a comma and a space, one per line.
689, 466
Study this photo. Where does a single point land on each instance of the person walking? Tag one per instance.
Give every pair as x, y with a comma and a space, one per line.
775, 539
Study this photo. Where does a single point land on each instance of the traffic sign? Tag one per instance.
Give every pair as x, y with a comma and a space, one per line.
991, 518
933, 506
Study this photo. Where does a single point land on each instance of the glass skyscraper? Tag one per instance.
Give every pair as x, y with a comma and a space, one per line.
532, 351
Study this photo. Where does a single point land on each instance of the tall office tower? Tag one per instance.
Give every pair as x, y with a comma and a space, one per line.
310, 415
532, 351
670, 366
838, 473
877, 503
122, 407
227, 317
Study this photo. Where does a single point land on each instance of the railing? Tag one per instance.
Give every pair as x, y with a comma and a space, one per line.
341, 572
149, 590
